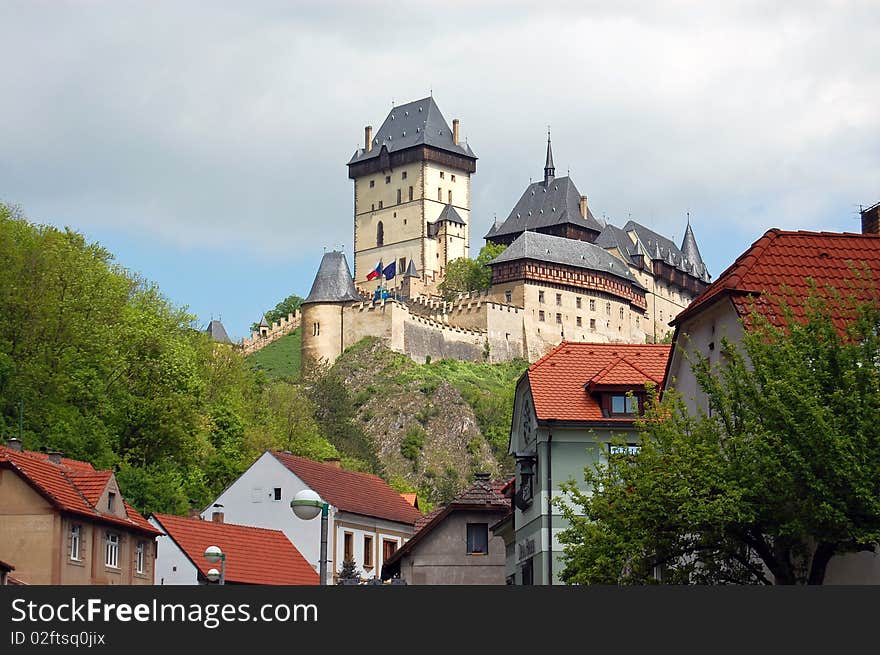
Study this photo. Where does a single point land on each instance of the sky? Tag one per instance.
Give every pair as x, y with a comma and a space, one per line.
205, 143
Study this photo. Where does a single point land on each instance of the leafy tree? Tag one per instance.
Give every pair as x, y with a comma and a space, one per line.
282, 310
783, 474
465, 274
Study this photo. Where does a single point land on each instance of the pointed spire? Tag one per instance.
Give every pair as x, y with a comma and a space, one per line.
549, 168
689, 247
411, 269
264, 323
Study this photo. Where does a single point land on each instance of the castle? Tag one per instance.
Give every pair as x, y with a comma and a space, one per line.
563, 274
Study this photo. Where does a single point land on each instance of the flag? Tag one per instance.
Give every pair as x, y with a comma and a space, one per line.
376, 272
390, 270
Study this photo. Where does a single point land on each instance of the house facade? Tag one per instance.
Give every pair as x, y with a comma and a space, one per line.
779, 264
65, 523
454, 545
571, 411
368, 521
253, 555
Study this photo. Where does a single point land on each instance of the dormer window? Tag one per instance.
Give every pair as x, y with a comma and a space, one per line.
625, 405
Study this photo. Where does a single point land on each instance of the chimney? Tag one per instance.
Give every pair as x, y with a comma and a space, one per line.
584, 206
455, 131
55, 456
871, 219
481, 477
217, 517
194, 513
368, 138
14, 444
335, 462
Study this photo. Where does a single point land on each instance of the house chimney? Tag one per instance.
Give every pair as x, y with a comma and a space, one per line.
455, 131
217, 517
14, 444
368, 138
481, 477
871, 219
335, 462
55, 456
194, 513
584, 206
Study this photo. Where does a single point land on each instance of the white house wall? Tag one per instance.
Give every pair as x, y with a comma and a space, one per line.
173, 567
250, 501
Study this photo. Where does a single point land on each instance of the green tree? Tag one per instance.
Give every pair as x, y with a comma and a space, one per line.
465, 274
282, 310
783, 475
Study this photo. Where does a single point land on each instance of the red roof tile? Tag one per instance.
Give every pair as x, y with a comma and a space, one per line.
412, 499
350, 491
59, 483
557, 380
782, 260
253, 555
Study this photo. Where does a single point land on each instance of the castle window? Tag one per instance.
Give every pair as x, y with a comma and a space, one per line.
578, 320
372, 183
401, 265
508, 297
559, 319
592, 325
453, 177
621, 313
558, 299
316, 329
439, 194
450, 197
541, 315
540, 296
637, 320
399, 195
387, 179
380, 234
577, 302
442, 175
608, 308
403, 175
380, 204
592, 305
373, 206
410, 193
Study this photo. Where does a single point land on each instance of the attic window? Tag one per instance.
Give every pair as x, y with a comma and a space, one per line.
623, 405
111, 501
277, 493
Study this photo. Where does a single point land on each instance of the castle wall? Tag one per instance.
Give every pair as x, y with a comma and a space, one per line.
279, 329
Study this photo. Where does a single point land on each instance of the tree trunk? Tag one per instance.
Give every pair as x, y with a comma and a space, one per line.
821, 556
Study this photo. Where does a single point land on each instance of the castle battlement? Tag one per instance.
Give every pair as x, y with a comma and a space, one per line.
278, 329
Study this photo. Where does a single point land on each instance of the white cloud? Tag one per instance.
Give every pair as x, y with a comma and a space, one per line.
232, 125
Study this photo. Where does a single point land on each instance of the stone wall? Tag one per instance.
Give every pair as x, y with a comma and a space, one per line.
279, 329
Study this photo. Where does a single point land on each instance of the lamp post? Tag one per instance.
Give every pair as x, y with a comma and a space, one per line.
213, 554
306, 505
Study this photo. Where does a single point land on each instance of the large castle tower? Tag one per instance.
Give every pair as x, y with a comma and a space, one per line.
412, 196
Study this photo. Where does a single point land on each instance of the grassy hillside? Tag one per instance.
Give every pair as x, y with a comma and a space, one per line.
280, 359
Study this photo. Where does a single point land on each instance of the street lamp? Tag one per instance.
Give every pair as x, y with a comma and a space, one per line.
213, 554
306, 505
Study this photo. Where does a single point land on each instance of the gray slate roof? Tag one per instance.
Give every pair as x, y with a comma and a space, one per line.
569, 252
689, 248
612, 236
217, 332
413, 124
333, 283
411, 270
543, 206
659, 247
263, 322
449, 214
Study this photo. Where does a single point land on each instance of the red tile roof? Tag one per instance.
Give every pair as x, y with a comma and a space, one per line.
253, 555
557, 380
412, 499
350, 491
782, 260
60, 484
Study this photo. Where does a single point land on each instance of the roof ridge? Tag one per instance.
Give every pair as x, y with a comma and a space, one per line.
215, 524
329, 466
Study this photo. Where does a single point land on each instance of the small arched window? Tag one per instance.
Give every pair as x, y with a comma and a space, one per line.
380, 234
